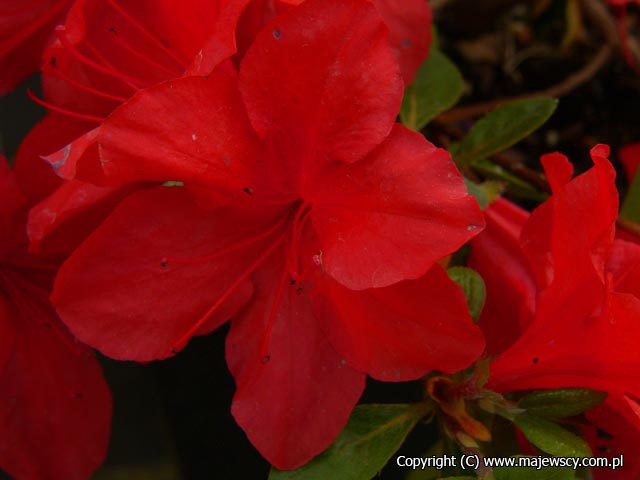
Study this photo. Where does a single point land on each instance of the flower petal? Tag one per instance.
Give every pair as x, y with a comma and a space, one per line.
320, 86
597, 352
25, 26
409, 23
391, 216
140, 284
55, 407
497, 256
588, 204
61, 221
34, 175
401, 332
294, 392
191, 129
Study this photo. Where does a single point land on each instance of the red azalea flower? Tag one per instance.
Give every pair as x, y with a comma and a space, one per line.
109, 49
586, 314
105, 52
25, 27
55, 407
317, 226
409, 23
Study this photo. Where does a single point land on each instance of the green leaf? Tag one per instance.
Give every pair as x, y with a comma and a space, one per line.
371, 437
473, 286
551, 437
437, 87
515, 185
631, 206
486, 193
561, 403
527, 473
503, 127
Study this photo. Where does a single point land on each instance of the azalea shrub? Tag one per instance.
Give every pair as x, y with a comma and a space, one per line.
297, 177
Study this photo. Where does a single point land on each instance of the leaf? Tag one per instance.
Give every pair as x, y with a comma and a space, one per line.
366, 444
561, 403
631, 206
473, 286
486, 193
515, 185
503, 127
527, 473
437, 87
552, 438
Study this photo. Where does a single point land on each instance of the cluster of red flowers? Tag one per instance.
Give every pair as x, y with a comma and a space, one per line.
240, 160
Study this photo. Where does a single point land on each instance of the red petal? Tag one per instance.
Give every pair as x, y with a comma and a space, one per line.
78, 159
559, 170
34, 175
497, 256
12, 210
622, 438
294, 392
401, 332
597, 352
321, 86
188, 129
589, 205
391, 216
409, 23
624, 264
65, 218
55, 407
255, 17
126, 291
25, 26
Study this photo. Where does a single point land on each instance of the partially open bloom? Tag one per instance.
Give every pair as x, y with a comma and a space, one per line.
55, 407
303, 212
578, 327
25, 27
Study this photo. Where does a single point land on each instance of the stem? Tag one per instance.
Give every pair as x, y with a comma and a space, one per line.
600, 17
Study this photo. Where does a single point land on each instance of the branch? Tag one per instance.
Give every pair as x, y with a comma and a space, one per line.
600, 17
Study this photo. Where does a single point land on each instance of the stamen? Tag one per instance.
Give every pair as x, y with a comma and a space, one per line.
277, 299
38, 308
54, 72
219, 253
142, 56
96, 66
146, 33
94, 51
299, 222
64, 111
234, 286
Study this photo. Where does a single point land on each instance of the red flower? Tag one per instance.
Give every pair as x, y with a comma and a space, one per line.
105, 52
55, 407
586, 321
25, 27
317, 226
409, 23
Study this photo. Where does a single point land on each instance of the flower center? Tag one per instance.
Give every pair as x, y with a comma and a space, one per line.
287, 232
